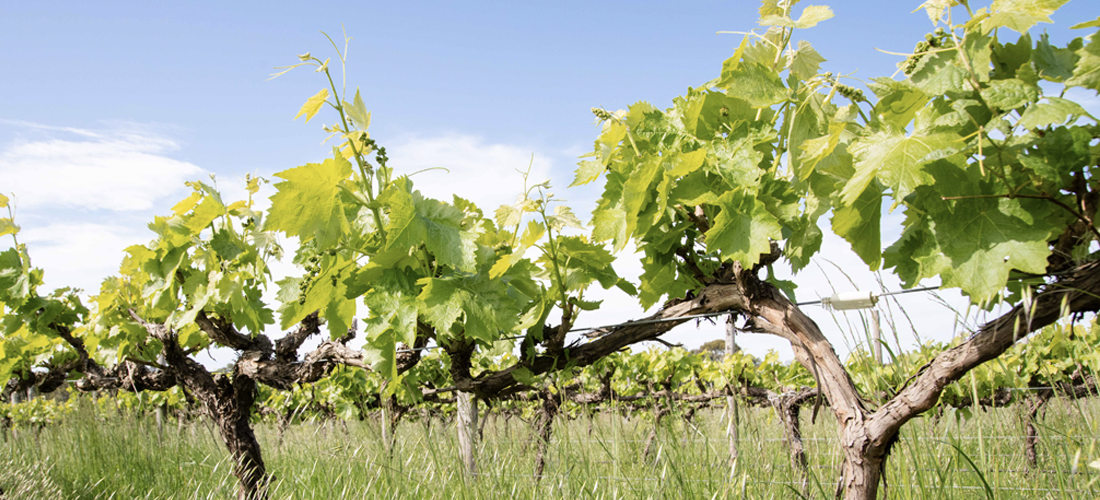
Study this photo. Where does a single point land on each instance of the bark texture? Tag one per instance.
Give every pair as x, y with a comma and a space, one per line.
228, 399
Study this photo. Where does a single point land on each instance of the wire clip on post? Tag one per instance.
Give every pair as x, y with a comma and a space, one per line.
850, 300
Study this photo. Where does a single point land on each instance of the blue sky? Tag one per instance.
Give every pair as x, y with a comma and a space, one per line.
109, 106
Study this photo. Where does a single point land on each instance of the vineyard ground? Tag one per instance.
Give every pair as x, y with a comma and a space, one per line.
599, 457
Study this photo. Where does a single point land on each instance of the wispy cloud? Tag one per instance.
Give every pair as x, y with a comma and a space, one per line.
482, 172
116, 169
80, 255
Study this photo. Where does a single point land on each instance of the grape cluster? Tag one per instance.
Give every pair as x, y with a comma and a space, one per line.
853, 94
602, 114
380, 152
313, 268
931, 41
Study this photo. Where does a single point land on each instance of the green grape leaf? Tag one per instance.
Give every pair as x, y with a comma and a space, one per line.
481, 307
415, 220
1009, 57
586, 305
582, 262
313, 105
587, 171
325, 295
307, 204
986, 238
737, 162
637, 192
525, 376
805, 61
1009, 94
1055, 111
786, 286
896, 159
610, 224
743, 229
392, 307
770, 8
686, 163
815, 150
250, 312
936, 8
1020, 15
339, 312
357, 111
1087, 72
763, 50
15, 283
210, 209
977, 48
531, 235
1056, 64
226, 245
940, 73
381, 353
734, 61
803, 241
859, 224
701, 113
564, 217
8, 227
755, 83
812, 15
185, 205
898, 102
1095, 23
1059, 153
613, 133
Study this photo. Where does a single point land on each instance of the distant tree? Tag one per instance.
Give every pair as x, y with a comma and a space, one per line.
713, 349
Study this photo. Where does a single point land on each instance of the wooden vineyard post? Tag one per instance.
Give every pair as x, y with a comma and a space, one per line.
467, 431
876, 337
162, 409
731, 401
386, 431
159, 413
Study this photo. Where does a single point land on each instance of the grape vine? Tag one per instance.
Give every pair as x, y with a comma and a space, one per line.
994, 173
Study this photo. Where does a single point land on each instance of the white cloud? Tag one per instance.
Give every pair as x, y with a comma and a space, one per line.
79, 255
120, 170
479, 171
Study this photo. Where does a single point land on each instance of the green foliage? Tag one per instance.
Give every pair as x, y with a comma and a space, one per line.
978, 146
979, 156
306, 204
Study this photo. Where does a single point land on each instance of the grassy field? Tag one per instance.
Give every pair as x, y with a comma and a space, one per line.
598, 457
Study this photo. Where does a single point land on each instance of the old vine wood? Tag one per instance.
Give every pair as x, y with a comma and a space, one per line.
979, 146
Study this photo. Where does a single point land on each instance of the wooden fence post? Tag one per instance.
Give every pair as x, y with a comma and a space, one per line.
467, 431
731, 401
876, 337
161, 411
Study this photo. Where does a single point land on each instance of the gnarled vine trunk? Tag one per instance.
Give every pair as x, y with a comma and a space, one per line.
231, 415
867, 437
789, 408
228, 401
545, 427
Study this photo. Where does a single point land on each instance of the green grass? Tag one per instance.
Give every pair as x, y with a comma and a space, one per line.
597, 457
